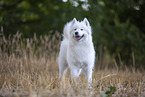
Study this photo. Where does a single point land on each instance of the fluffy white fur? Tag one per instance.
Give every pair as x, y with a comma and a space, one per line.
77, 50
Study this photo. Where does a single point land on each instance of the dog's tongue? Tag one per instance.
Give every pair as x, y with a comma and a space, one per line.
78, 37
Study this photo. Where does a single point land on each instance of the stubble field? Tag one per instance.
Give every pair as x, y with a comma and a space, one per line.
28, 68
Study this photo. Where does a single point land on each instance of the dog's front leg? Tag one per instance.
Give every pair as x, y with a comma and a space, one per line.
88, 74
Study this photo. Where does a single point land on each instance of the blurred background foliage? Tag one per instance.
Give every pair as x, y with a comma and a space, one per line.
118, 25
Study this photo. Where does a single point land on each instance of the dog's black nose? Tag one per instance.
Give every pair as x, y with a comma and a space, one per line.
76, 33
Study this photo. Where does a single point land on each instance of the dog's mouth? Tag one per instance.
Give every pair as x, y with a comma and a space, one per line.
77, 37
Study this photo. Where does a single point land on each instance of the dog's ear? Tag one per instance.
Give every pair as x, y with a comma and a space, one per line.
86, 22
74, 20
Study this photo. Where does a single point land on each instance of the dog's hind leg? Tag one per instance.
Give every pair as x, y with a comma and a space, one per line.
62, 68
75, 72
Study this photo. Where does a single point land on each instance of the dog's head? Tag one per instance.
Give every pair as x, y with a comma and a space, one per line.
80, 30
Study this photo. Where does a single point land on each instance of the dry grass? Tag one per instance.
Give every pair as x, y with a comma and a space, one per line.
28, 68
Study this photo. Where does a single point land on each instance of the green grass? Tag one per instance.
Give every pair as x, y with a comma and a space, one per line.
28, 68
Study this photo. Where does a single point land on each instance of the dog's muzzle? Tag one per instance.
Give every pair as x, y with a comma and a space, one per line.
77, 36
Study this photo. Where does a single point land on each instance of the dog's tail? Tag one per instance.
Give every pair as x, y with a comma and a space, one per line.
66, 30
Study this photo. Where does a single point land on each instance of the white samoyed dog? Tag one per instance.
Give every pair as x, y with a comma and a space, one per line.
77, 50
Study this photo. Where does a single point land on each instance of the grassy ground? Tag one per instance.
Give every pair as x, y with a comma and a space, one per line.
28, 68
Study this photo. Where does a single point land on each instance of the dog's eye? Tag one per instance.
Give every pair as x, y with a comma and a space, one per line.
75, 29
81, 29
